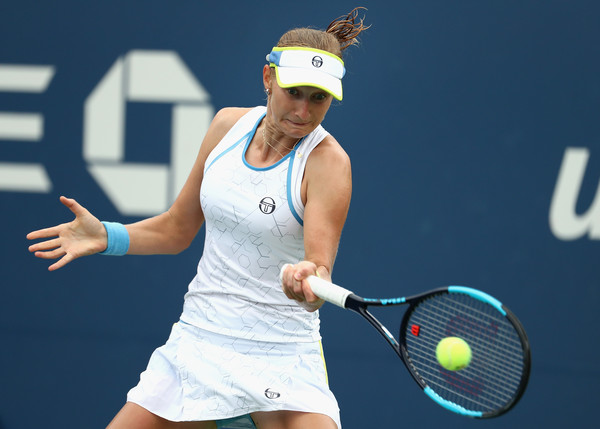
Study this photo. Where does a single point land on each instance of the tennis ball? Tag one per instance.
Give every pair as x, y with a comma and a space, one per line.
453, 353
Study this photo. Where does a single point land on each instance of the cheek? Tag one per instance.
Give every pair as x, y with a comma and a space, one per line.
321, 110
279, 104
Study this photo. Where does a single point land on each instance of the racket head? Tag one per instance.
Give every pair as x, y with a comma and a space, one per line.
499, 370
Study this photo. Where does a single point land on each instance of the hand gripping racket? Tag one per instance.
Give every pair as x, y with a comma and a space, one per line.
497, 375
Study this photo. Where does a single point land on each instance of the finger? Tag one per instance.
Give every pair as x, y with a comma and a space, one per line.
44, 233
298, 290
287, 280
304, 270
287, 293
51, 254
309, 295
45, 245
301, 273
291, 293
61, 262
293, 289
73, 205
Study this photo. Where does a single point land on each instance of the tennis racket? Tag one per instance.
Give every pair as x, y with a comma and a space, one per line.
497, 375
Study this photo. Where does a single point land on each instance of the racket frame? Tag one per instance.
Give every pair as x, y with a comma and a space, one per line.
350, 301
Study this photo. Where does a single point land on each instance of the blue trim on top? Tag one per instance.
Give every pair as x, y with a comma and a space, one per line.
451, 405
233, 146
477, 294
289, 190
250, 136
250, 166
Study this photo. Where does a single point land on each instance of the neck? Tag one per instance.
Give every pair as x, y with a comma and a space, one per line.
276, 145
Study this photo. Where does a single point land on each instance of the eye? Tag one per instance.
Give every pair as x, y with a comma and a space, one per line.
293, 91
320, 96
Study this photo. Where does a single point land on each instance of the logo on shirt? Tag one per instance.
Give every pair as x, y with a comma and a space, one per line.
267, 205
271, 394
317, 61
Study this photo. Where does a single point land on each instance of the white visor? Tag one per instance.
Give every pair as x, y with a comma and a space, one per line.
295, 66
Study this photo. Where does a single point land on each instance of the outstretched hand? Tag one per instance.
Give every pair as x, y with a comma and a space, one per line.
295, 285
83, 236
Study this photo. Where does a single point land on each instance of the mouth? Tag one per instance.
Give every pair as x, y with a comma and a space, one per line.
298, 124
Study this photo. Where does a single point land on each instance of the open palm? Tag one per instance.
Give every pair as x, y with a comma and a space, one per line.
83, 236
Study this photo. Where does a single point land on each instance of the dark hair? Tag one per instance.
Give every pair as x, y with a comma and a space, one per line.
340, 34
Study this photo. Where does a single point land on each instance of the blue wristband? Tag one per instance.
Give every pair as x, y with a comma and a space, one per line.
118, 239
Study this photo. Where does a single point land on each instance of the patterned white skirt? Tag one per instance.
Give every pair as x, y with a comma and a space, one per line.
199, 375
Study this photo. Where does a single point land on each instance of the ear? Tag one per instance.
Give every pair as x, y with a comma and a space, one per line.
267, 76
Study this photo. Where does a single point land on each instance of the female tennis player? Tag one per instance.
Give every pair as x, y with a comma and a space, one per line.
272, 186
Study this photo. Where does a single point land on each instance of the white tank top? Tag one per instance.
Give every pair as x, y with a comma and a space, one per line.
254, 225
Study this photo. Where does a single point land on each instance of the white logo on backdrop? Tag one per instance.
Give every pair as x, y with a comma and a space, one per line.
25, 128
140, 189
136, 189
565, 223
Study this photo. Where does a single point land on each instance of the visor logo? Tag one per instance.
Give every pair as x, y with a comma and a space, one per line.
317, 61
267, 205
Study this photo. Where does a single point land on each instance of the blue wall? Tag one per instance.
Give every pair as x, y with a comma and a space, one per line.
458, 116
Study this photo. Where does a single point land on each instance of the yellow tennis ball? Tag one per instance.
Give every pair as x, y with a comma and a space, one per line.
453, 353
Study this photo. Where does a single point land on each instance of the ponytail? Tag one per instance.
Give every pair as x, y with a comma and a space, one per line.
346, 28
340, 34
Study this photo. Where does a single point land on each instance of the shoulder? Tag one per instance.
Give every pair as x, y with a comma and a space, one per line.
329, 151
328, 163
227, 117
221, 124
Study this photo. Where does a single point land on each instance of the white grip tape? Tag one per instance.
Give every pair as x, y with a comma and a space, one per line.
328, 291
281, 272
323, 289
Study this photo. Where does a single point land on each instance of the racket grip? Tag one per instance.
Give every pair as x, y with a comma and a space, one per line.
325, 290
328, 291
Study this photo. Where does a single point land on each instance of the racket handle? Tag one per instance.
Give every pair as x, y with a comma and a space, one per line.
328, 291
325, 290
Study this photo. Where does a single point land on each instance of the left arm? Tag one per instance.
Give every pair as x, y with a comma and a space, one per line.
326, 192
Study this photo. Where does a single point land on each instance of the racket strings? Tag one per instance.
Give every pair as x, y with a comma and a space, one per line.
474, 384
458, 382
494, 375
468, 393
508, 342
511, 367
507, 377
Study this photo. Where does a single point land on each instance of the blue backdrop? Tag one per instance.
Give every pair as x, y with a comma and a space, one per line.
474, 133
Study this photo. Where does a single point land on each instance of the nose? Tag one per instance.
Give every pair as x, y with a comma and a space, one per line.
302, 108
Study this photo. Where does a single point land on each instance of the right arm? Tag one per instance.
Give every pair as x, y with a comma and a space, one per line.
168, 233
